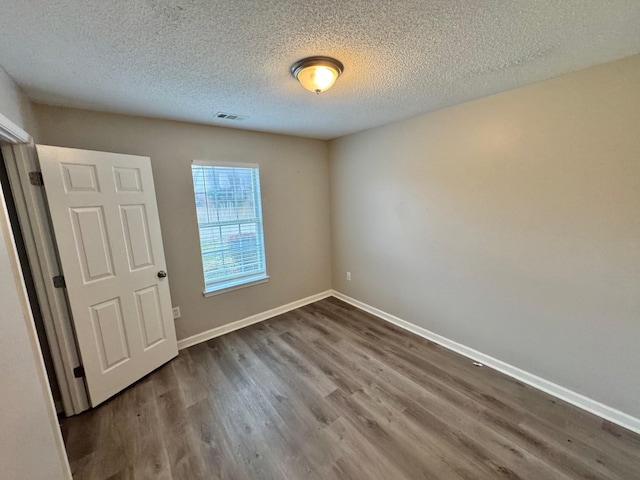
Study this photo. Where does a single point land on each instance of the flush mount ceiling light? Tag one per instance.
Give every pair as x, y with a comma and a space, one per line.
317, 74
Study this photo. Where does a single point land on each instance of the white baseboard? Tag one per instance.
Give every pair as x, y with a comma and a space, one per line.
592, 406
245, 322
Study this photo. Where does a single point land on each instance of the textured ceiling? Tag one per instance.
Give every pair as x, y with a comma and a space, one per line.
189, 59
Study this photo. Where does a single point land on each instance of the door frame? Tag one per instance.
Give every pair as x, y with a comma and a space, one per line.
10, 136
30, 200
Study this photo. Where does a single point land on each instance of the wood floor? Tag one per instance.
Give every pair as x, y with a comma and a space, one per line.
330, 392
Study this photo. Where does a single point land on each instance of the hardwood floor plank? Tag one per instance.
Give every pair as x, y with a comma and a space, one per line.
186, 373
305, 416
389, 442
284, 451
81, 434
341, 378
276, 355
180, 439
360, 459
215, 448
150, 458
164, 379
327, 392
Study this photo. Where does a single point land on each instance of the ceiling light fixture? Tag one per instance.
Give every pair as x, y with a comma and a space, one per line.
317, 74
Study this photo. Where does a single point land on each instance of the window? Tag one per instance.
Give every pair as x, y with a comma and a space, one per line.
230, 224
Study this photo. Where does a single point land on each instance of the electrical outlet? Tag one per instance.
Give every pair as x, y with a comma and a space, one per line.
348, 276
176, 312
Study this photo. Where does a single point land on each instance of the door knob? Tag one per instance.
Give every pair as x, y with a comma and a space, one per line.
162, 274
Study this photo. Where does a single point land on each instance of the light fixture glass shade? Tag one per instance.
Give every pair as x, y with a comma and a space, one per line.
317, 78
317, 74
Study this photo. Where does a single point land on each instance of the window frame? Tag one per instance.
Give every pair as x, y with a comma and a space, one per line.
242, 282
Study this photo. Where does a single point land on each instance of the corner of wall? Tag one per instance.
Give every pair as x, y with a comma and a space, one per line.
15, 104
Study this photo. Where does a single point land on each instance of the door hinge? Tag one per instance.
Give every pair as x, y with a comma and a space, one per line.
35, 178
58, 281
78, 372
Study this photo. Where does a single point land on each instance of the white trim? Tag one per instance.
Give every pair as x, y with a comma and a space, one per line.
585, 403
12, 133
238, 286
245, 322
216, 163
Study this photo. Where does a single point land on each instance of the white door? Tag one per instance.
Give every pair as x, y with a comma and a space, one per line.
105, 220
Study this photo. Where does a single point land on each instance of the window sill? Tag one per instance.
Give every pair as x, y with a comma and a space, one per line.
258, 281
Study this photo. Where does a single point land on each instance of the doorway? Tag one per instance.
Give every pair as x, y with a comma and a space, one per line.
97, 270
30, 285
33, 228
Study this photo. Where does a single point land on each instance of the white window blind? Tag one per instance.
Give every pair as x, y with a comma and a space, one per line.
230, 223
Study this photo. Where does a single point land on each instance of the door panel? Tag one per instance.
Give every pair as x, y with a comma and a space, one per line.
105, 218
79, 178
136, 233
127, 179
148, 302
110, 335
92, 243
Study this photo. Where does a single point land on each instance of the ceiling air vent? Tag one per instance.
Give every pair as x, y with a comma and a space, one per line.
230, 116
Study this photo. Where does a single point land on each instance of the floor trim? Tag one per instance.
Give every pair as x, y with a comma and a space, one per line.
245, 322
604, 411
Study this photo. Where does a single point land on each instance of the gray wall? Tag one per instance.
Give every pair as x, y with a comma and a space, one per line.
294, 174
510, 224
15, 105
30, 442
